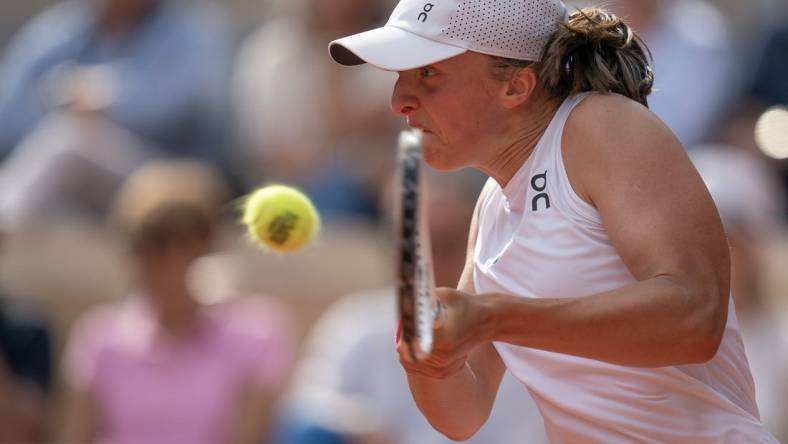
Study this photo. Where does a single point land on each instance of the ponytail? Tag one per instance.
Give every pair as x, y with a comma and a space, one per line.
596, 51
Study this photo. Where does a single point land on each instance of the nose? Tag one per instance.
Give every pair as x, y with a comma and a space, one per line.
403, 99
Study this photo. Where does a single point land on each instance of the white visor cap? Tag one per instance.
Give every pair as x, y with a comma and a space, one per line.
422, 32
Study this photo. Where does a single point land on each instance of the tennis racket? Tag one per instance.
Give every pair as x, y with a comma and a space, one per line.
417, 305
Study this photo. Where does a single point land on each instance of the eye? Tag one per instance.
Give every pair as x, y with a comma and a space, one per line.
427, 72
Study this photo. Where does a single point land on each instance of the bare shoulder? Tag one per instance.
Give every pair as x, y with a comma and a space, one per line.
626, 163
614, 119
611, 133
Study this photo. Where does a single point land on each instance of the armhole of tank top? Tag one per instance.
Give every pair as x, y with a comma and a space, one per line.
579, 210
484, 202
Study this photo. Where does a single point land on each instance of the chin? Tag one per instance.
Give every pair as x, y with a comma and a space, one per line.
438, 156
441, 166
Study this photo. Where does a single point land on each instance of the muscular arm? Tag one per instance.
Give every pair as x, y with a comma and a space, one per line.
665, 227
458, 398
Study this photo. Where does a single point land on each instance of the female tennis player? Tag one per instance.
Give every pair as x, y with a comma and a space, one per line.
597, 269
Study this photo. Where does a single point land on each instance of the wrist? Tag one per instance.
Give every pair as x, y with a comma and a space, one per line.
489, 309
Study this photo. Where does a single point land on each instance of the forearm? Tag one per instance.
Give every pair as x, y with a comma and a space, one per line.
457, 406
652, 323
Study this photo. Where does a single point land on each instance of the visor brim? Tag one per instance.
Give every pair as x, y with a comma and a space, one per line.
391, 49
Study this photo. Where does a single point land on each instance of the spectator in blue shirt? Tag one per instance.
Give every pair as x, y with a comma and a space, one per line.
90, 89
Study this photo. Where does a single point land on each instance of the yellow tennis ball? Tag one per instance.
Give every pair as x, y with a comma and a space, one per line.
280, 217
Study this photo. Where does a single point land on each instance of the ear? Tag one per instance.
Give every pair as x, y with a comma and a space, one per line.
519, 88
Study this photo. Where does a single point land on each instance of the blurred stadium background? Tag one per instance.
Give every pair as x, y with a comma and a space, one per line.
245, 90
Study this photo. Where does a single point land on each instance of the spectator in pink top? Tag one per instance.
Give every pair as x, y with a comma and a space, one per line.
160, 367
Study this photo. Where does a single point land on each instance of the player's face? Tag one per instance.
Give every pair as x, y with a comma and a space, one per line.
455, 103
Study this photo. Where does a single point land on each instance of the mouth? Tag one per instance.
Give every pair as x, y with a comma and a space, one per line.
418, 126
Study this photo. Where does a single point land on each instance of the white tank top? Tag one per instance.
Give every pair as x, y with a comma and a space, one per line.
537, 238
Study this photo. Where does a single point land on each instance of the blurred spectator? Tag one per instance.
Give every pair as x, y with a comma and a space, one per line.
768, 87
25, 369
350, 386
749, 201
161, 367
90, 89
306, 122
696, 74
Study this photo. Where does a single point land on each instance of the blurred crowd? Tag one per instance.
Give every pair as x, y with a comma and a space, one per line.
131, 308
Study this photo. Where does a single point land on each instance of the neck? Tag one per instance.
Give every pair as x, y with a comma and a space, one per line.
174, 305
523, 135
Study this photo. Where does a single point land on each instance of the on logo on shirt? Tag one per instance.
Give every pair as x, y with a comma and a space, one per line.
539, 184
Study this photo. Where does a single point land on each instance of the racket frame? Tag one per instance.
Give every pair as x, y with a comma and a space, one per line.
415, 281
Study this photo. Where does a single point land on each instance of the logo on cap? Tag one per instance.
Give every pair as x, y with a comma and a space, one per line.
425, 12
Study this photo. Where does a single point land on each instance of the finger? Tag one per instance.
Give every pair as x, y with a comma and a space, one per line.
403, 351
